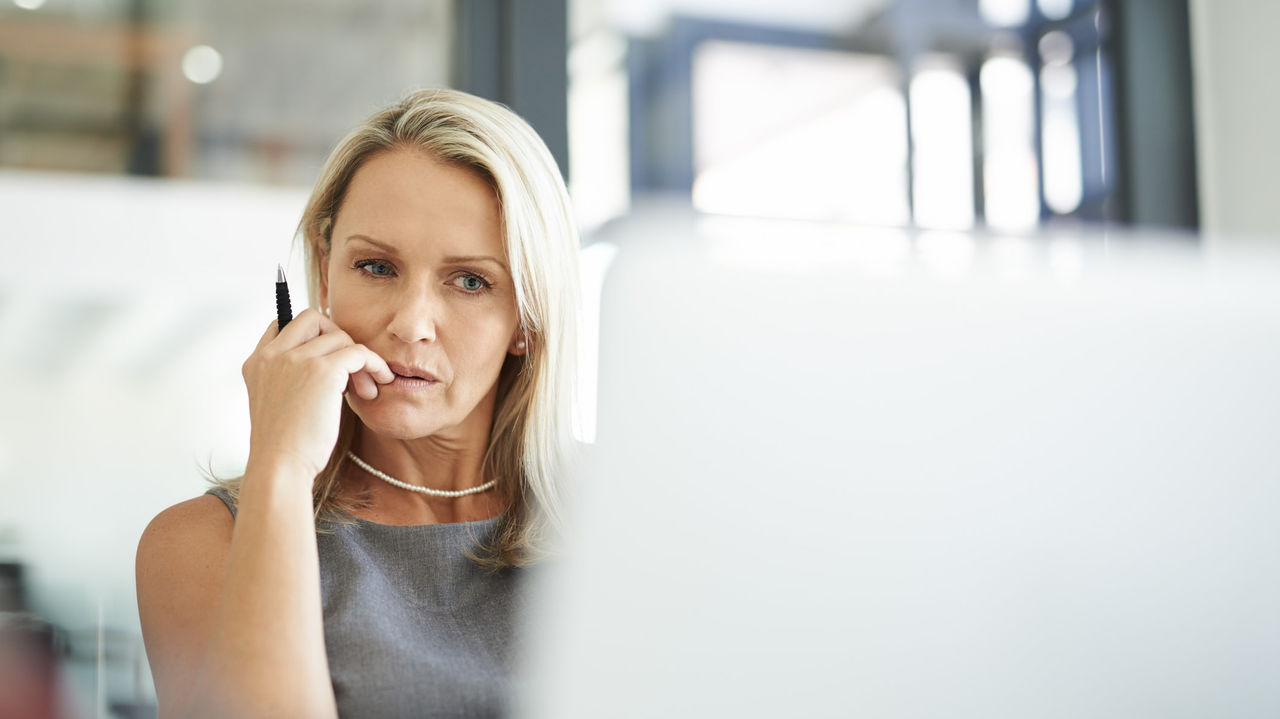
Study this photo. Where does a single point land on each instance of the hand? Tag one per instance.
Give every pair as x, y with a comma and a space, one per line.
296, 379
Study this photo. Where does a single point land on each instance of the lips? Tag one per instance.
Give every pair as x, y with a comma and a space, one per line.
411, 372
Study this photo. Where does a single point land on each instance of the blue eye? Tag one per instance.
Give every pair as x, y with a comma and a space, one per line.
377, 268
471, 283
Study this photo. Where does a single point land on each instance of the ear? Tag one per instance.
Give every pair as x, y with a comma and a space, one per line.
519, 345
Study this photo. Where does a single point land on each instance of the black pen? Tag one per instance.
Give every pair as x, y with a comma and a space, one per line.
284, 312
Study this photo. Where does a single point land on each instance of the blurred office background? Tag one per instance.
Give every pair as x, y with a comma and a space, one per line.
154, 158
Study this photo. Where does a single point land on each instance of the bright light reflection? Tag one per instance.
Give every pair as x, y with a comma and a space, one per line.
1060, 139
1005, 13
941, 129
1060, 126
1055, 9
1012, 199
202, 64
29, 4
1056, 48
594, 264
599, 166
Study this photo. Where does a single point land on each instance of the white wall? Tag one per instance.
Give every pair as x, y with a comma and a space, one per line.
1235, 58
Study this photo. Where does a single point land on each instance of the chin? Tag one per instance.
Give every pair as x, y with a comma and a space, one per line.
393, 422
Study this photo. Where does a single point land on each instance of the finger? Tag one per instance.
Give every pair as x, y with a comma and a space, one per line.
327, 324
304, 327
364, 386
331, 339
358, 358
322, 345
377, 371
270, 334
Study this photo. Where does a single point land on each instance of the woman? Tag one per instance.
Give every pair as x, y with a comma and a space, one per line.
407, 439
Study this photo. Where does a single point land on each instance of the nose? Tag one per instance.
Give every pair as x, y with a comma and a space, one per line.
415, 316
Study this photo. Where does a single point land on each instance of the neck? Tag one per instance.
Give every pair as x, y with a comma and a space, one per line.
437, 462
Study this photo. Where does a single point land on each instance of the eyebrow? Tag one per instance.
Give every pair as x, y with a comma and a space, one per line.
475, 258
369, 240
448, 260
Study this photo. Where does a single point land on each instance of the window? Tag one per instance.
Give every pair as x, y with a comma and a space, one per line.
799, 133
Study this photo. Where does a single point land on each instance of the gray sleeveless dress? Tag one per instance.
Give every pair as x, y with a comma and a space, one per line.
412, 627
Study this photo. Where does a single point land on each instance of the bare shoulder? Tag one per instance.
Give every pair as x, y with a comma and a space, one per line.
189, 532
181, 565
185, 543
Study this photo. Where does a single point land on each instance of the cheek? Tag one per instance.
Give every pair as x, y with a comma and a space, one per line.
491, 349
357, 319
484, 347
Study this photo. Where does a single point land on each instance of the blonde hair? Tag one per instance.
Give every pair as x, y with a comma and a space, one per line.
531, 445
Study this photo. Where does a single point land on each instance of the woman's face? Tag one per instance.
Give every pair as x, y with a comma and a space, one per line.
417, 272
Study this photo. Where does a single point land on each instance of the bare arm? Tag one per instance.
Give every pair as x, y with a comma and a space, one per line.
202, 583
231, 611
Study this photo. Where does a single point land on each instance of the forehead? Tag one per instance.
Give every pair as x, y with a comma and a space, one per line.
415, 202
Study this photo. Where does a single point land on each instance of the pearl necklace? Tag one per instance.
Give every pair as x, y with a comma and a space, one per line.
415, 488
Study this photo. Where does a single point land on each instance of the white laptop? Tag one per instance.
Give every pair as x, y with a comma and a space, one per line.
844, 472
